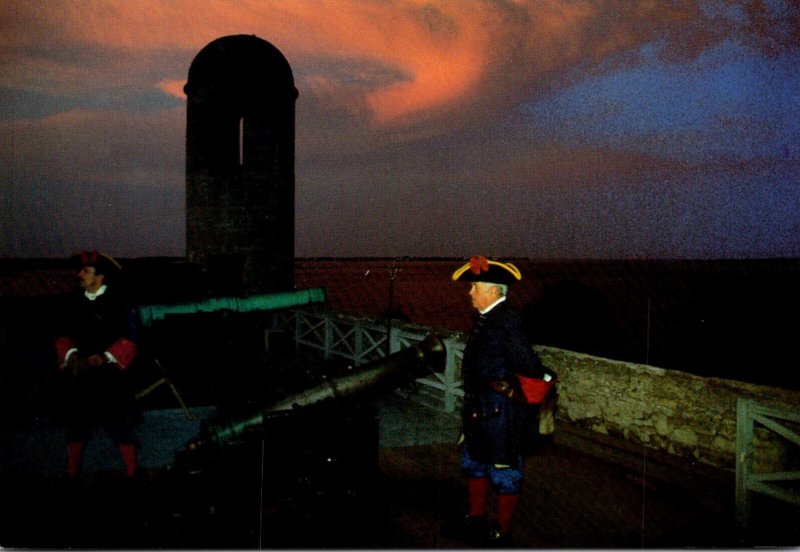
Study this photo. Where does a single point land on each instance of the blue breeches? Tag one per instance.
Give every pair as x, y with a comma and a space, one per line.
504, 480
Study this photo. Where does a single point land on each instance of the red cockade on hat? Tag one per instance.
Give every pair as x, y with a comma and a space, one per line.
478, 264
481, 269
89, 258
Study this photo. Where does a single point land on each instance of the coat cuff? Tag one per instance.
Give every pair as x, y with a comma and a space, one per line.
123, 351
64, 347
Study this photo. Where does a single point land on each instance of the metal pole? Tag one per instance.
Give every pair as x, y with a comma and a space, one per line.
393, 270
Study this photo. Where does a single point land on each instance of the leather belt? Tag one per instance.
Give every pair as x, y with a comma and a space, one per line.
507, 390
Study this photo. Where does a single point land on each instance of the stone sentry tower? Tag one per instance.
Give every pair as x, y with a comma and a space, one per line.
240, 166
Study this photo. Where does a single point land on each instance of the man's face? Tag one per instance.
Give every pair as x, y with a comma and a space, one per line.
483, 294
89, 279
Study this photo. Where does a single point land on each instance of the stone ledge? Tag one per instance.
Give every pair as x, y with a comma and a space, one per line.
656, 465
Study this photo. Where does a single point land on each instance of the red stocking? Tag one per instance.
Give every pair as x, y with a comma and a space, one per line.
506, 504
478, 490
129, 457
75, 458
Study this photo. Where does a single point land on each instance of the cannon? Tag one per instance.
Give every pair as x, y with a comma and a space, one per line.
215, 347
305, 464
148, 314
378, 376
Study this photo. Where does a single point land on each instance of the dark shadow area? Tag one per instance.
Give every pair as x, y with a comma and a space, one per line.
573, 316
299, 480
727, 319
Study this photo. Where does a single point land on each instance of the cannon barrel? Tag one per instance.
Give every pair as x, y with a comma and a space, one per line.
378, 376
271, 301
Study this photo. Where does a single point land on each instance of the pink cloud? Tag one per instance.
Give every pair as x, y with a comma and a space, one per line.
441, 55
173, 87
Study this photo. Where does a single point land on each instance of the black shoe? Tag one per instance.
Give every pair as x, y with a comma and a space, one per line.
500, 540
470, 529
70, 488
475, 529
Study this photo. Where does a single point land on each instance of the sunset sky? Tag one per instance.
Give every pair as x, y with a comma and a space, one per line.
542, 129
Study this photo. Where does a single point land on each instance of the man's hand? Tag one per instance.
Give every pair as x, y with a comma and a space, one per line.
72, 365
505, 389
96, 360
76, 366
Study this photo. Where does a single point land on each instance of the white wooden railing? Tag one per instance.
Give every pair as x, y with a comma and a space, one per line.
774, 484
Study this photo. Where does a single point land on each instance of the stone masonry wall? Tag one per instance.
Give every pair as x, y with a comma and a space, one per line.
679, 413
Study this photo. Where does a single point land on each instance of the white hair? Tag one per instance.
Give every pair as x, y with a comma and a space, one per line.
502, 289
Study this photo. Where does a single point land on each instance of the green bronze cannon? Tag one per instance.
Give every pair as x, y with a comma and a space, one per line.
267, 302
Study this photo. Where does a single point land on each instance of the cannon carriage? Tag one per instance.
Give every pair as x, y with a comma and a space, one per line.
300, 463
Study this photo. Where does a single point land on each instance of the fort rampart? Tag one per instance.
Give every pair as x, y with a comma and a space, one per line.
682, 414
612, 407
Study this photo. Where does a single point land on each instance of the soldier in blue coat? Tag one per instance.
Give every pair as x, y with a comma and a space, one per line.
495, 413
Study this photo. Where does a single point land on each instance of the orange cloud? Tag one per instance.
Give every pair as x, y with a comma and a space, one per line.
394, 61
440, 54
173, 87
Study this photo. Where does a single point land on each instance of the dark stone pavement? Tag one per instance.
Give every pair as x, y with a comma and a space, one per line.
571, 500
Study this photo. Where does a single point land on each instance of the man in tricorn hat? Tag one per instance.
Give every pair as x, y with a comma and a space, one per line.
494, 412
94, 348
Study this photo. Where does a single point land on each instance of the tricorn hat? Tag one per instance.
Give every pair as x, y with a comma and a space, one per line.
102, 263
481, 269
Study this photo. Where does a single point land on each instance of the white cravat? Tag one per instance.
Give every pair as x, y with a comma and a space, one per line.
92, 296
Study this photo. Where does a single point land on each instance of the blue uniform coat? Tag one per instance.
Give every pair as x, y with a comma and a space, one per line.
494, 425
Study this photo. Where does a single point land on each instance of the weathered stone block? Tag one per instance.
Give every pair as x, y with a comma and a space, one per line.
685, 436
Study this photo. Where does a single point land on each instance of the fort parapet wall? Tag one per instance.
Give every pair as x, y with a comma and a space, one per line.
623, 411
689, 416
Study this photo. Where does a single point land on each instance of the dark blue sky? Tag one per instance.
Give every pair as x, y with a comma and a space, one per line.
560, 129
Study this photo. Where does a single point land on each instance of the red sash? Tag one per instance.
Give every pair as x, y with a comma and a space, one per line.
535, 389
